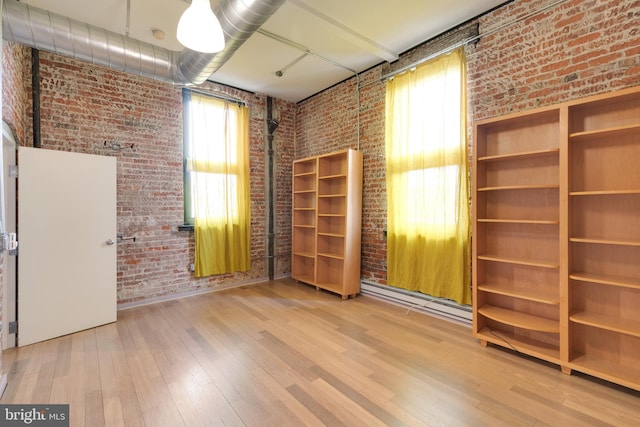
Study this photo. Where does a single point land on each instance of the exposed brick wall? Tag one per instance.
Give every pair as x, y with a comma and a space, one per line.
283, 160
340, 118
329, 119
572, 50
575, 49
16, 88
84, 105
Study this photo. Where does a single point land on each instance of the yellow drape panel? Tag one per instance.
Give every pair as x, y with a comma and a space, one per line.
427, 183
220, 183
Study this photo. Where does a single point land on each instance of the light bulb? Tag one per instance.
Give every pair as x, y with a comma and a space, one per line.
199, 29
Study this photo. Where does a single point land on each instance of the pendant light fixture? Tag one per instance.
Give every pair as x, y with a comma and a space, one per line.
199, 29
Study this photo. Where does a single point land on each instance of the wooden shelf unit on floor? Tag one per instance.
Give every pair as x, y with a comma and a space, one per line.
327, 215
604, 237
556, 271
517, 233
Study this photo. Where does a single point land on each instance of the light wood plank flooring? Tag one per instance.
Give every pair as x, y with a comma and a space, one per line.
284, 354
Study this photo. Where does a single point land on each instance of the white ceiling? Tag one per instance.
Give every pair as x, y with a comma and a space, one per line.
340, 35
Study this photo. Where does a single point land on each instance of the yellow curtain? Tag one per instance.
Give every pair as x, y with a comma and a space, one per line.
428, 222
219, 160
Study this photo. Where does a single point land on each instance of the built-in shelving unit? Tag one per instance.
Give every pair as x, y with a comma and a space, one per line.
304, 219
327, 211
604, 237
516, 233
556, 264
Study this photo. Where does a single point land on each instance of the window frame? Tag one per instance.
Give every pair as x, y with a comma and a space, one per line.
186, 144
189, 202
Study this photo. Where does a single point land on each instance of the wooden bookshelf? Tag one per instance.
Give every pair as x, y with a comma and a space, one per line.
604, 236
327, 221
516, 271
557, 234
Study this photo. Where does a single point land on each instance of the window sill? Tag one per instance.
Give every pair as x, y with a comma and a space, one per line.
185, 227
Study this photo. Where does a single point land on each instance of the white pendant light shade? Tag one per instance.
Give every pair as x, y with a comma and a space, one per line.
199, 29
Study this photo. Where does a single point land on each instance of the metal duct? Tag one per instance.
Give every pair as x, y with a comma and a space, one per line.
48, 31
239, 20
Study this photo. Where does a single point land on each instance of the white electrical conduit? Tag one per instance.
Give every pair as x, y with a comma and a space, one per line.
470, 40
306, 51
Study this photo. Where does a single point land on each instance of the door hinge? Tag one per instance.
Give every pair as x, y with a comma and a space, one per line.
13, 171
13, 327
8, 241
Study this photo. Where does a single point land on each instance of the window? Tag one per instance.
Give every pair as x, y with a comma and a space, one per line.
433, 187
210, 156
216, 177
427, 183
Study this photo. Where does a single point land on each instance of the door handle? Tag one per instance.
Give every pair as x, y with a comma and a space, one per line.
110, 242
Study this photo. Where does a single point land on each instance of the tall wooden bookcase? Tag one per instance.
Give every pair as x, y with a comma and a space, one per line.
556, 234
516, 234
327, 218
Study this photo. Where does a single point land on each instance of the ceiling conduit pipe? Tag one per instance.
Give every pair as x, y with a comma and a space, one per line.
44, 30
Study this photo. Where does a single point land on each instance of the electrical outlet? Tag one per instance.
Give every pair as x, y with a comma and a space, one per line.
192, 267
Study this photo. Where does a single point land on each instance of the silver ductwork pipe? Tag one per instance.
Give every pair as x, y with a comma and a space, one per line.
239, 21
51, 32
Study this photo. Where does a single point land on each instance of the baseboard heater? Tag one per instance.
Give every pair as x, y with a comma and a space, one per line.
420, 302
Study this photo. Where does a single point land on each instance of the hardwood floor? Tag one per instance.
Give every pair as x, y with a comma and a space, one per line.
284, 354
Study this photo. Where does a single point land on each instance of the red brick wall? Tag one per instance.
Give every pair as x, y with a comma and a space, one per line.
16, 88
283, 140
329, 120
340, 118
575, 49
84, 105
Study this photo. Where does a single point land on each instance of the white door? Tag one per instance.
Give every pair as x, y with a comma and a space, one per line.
67, 235
8, 225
